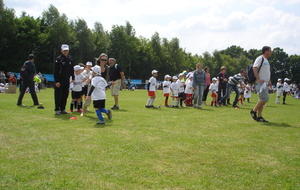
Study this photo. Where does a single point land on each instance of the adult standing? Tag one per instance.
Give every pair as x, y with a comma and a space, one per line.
263, 80
206, 90
116, 77
199, 84
63, 70
101, 61
28, 82
223, 79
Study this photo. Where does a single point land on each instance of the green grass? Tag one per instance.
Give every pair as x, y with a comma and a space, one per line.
185, 148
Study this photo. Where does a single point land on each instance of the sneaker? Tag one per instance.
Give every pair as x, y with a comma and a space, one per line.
218, 104
115, 107
79, 110
109, 114
261, 119
199, 107
40, 107
82, 114
71, 110
253, 115
21, 105
100, 122
39, 104
194, 106
64, 112
147, 106
182, 106
57, 112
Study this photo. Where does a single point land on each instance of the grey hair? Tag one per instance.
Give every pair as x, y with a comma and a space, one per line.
113, 59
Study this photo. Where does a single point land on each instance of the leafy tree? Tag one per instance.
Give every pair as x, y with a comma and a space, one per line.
294, 67
279, 64
100, 39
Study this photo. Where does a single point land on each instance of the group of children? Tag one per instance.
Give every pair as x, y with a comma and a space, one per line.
89, 83
181, 90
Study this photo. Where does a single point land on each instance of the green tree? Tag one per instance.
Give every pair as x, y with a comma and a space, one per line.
100, 39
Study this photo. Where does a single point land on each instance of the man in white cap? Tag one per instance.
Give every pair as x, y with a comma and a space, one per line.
63, 70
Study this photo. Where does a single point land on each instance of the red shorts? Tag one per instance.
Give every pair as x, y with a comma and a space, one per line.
188, 95
213, 95
166, 95
151, 93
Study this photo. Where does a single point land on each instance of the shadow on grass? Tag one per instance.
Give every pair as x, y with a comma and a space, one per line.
272, 124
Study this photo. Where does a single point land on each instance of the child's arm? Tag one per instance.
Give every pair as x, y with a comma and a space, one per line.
90, 93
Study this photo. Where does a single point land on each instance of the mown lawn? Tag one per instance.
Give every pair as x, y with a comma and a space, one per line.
140, 148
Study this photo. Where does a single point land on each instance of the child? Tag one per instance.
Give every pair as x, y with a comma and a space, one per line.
189, 91
97, 91
166, 88
76, 88
241, 87
151, 90
175, 91
279, 88
248, 92
213, 88
88, 74
181, 89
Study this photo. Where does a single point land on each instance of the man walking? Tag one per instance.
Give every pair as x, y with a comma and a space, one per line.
27, 76
63, 70
263, 80
116, 77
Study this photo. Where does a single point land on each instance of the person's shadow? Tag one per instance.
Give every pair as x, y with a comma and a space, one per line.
272, 124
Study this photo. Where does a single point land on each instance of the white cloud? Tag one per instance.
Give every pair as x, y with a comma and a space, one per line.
199, 25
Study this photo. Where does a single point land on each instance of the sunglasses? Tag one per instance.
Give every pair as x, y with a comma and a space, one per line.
103, 60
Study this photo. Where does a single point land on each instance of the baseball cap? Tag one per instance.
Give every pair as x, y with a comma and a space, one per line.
64, 47
279, 79
89, 63
174, 77
286, 79
97, 69
214, 78
77, 68
167, 76
154, 71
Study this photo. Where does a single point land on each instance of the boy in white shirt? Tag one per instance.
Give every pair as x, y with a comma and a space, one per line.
151, 90
189, 91
166, 89
175, 91
76, 88
213, 88
279, 87
98, 95
286, 89
248, 92
181, 88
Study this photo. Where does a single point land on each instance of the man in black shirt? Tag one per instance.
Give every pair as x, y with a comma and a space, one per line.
63, 70
116, 77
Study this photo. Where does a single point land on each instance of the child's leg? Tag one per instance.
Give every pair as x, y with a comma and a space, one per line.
99, 114
166, 101
177, 102
72, 105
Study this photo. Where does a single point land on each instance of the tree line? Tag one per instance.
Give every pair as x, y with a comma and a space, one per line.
43, 36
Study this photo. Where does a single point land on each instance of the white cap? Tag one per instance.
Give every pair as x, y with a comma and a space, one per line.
89, 63
180, 75
154, 71
77, 68
286, 79
64, 47
214, 78
174, 77
97, 69
279, 79
191, 76
167, 76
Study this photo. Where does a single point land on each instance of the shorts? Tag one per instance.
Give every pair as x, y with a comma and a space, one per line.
213, 95
151, 93
278, 93
84, 90
99, 104
188, 95
182, 95
76, 95
115, 89
264, 94
166, 94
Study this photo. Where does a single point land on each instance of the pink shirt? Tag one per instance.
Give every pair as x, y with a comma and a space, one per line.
207, 79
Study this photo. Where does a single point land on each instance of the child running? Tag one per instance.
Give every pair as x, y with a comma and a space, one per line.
151, 90
97, 91
166, 88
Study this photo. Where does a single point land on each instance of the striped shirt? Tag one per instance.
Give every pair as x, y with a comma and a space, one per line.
236, 79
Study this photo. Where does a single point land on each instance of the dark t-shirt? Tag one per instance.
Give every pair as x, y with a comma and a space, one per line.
221, 77
114, 72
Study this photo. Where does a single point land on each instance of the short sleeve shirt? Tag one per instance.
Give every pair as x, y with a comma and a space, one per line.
152, 83
99, 91
265, 72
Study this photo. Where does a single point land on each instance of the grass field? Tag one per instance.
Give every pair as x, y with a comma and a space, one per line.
168, 148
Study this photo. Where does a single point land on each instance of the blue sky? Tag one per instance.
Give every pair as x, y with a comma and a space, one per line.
199, 25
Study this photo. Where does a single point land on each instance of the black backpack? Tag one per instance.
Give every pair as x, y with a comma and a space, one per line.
250, 73
25, 69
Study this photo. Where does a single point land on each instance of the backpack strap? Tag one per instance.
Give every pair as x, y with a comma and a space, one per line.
262, 61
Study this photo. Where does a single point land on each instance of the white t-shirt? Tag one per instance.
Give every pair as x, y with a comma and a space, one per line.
99, 91
213, 87
189, 87
248, 89
279, 87
265, 72
286, 87
78, 82
175, 88
87, 75
181, 86
166, 86
152, 83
